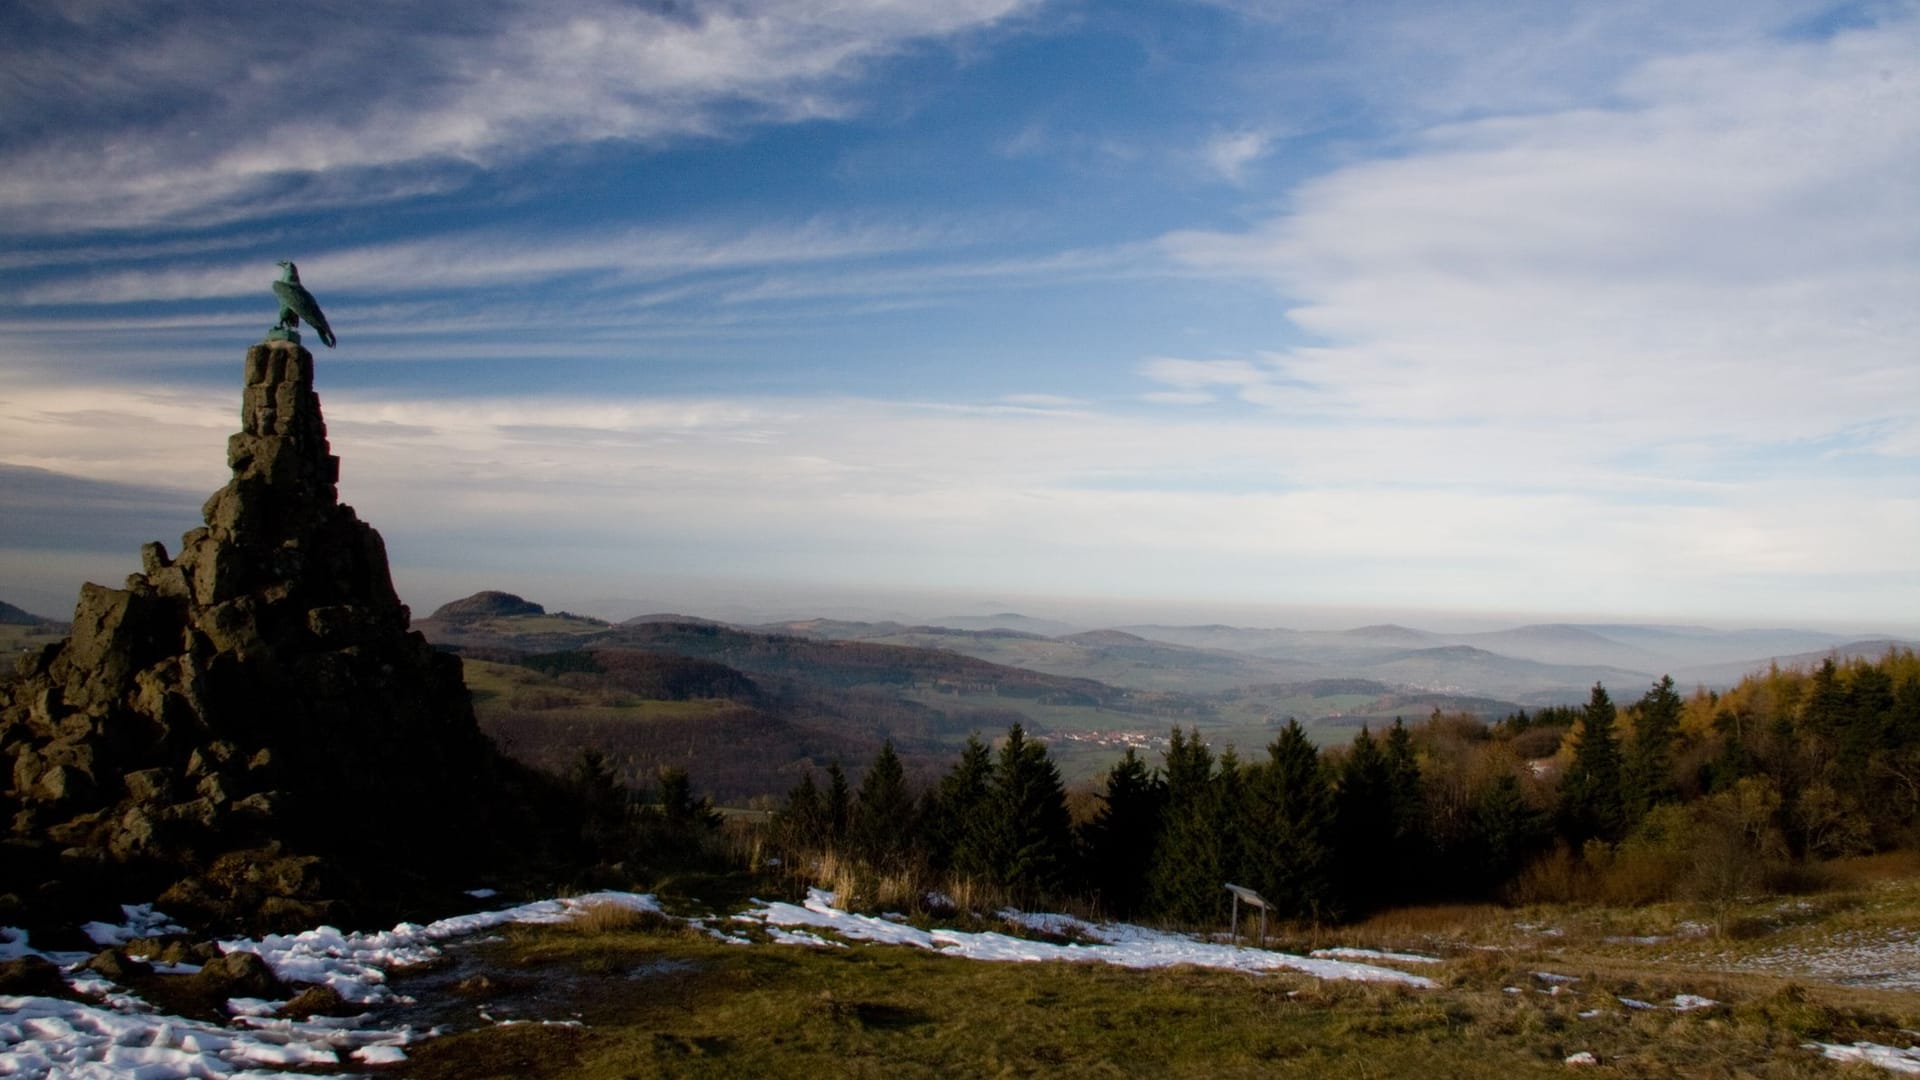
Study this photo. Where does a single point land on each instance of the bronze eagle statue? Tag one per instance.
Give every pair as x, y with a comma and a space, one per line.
296, 303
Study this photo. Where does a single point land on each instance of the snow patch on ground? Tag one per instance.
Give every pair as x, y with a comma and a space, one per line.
1120, 944
48, 1037
1886, 1057
1374, 954
118, 1034
141, 922
1881, 959
356, 964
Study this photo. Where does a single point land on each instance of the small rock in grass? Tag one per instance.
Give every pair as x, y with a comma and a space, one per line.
319, 1001
476, 986
117, 965
241, 974
1584, 1057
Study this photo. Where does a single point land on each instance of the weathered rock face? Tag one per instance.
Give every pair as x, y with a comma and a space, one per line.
249, 731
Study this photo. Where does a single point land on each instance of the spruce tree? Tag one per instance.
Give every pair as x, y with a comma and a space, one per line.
1365, 826
1649, 764
956, 813
801, 823
1903, 724
883, 821
1029, 843
1120, 840
1734, 759
1866, 724
1591, 802
1190, 862
1289, 834
1505, 832
839, 806
1825, 702
603, 798
678, 808
1230, 811
1412, 849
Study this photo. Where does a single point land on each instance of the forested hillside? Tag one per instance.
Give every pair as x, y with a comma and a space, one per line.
1708, 797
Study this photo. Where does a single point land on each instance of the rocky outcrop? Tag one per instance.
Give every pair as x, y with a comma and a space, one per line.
247, 731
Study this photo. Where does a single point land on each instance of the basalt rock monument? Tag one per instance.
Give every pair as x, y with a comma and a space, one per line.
248, 732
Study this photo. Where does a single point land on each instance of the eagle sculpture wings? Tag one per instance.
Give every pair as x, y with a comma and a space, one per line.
296, 303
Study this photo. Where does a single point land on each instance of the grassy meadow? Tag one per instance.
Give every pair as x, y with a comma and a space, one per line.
1522, 990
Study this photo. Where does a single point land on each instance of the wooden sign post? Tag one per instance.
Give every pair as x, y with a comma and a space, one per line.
1241, 892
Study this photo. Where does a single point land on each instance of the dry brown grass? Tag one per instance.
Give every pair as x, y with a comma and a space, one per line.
608, 918
1453, 921
1866, 871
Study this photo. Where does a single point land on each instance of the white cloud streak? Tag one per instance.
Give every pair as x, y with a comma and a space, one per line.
1231, 154
1036, 495
1729, 253
494, 257
377, 103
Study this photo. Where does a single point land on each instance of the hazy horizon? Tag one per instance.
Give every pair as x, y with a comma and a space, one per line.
746, 603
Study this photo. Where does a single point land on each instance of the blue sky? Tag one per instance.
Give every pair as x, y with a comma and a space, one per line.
1273, 312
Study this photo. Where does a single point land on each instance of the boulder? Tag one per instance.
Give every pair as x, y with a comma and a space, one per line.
239, 974
250, 709
319, 1001
32, 976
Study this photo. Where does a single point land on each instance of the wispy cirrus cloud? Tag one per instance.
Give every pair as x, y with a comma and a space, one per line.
1412, 63
179, 116
1727, 251
493, 257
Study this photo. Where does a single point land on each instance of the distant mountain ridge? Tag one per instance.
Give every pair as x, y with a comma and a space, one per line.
13, 616
1535, 664
487, 605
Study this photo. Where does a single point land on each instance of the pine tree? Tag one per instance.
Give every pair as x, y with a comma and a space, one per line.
1120, 840
1412, 848
1365, 826
1506, 832
1866, 723
1734, 759
1649, 764
1230, 810
801, 824
603, 797
838, 806
1903, 725
1029, 842
1190, 868
956, 813
1591, 803
1289, 833
678, 808
882, 830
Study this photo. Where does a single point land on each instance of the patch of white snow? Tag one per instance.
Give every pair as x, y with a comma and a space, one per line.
1891, 1058
1374, 954
1121, 944
141, 922
120, 1035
